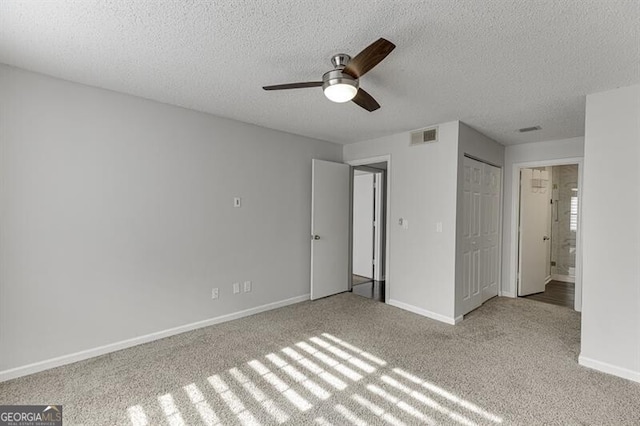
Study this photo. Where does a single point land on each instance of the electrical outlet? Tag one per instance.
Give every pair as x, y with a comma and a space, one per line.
236, 288
247, 286
215, 293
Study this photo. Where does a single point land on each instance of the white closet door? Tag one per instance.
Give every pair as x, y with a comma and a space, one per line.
490, 232
471, 235
480, 233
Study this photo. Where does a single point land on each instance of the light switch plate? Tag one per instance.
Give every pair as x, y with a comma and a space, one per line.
236, 288
237, 201
247, 286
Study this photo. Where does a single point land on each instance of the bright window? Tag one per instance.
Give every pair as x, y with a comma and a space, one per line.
573, 218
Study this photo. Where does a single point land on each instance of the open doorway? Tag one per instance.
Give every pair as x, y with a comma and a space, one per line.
548, 238
368, 230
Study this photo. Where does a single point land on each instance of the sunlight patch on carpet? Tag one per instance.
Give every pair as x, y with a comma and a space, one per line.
298, 378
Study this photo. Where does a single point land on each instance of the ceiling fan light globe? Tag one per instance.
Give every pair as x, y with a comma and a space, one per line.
340, 93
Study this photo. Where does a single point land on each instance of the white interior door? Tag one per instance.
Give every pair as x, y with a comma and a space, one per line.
480, 233
471, 235
329, 228
363, 220
534, 225
490, 211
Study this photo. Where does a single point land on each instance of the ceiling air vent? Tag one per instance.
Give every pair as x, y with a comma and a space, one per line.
529, 129
424, 136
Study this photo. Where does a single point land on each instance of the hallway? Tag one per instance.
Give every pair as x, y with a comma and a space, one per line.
365, 287
557, 293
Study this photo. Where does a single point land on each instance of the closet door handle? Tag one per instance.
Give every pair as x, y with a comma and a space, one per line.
545, 238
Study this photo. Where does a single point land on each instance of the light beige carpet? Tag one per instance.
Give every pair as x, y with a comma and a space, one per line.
347, 360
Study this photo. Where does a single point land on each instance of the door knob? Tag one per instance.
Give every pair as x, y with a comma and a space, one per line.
315, 237
545, 238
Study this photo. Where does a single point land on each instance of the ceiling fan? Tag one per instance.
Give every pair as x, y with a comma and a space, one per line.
341, 84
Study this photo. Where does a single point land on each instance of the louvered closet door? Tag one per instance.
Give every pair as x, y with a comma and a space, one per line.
480, 242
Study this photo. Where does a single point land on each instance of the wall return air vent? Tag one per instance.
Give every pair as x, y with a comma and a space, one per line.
423, 136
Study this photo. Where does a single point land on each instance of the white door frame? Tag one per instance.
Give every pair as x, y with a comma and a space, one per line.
387, 263
515, 219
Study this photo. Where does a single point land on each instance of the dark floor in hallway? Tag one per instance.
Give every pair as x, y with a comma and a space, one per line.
557, 293
365, 287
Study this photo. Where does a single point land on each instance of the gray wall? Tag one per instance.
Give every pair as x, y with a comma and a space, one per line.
475, 144
420, 273
117, 217
611, 232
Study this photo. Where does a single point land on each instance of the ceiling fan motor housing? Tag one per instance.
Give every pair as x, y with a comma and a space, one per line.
340, 60
338, 77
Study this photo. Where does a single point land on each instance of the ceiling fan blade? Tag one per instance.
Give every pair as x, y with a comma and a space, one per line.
294, 85
365, 100
369, 58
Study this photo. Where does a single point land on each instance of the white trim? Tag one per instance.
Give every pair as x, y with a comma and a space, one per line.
508, 294
424, 312
123, 344
563, 278
387, 257
547, 280
609, 368
515, 215
370, 160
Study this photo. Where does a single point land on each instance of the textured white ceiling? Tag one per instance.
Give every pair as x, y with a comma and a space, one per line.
497, 65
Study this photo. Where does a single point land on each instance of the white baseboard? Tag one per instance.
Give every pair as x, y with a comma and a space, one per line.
548, 280
507, 294
609, 368
424, 312
112, 347
563, 278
